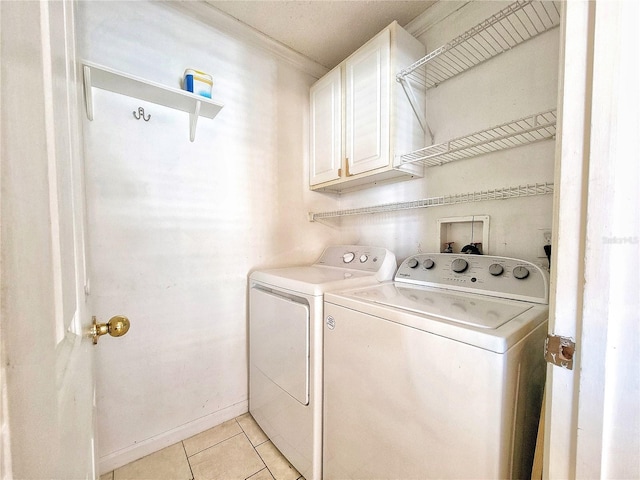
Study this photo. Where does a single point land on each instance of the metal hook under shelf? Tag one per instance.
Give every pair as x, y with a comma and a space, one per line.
140, 114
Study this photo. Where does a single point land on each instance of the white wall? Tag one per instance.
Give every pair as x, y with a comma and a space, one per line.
518, 83
175, 227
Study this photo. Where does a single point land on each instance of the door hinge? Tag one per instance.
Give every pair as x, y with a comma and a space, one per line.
559, 351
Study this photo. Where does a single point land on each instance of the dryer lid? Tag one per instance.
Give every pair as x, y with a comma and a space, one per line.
339, 266
313, 280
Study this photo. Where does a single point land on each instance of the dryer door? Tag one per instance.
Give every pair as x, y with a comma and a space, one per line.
279, 341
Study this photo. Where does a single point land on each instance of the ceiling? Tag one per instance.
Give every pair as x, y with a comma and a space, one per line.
325, 31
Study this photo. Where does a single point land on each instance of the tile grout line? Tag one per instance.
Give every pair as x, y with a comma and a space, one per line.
256, 452
188, 462
260, 439
265, 463
242, 432
210, 446
255, 448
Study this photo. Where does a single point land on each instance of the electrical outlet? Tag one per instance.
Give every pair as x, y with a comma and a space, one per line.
544, 239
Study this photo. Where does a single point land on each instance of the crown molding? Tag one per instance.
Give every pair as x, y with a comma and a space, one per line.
228, 25
433, 15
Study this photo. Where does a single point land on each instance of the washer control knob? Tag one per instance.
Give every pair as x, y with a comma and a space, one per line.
459, 265
428, 264
364, 258
521, 273
413, 263
348, 257
496, 269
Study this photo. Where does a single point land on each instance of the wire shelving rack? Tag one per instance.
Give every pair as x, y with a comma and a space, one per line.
511, 26
528, 190
530, 129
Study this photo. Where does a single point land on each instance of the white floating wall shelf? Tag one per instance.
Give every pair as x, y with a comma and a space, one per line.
106, 78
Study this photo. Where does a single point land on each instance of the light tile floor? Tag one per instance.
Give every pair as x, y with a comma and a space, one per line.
237, 449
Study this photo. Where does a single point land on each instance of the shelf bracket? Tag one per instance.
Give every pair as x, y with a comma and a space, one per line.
193, 121
88, 93
415, 105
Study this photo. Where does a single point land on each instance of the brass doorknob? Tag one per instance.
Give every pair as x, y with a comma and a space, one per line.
116, 327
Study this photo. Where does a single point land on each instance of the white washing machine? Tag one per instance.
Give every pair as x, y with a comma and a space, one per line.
438, 374
285, 345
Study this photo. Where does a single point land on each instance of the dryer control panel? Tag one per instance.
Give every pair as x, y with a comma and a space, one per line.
357, 257
485, 274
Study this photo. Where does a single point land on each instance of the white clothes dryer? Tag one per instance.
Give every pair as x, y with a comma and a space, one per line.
285, 345
438, 374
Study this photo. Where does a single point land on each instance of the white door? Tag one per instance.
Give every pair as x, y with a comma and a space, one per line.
592, 425
47, 383
367, 94
326, 128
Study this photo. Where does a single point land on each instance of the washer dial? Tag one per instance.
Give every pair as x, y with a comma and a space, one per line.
459, 265
496, 269
521, 272
413, 263
364, 258
428, 264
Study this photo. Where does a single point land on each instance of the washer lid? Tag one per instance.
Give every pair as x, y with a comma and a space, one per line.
468, 309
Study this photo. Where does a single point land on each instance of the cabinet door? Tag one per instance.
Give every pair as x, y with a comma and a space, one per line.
326, 129
367, 105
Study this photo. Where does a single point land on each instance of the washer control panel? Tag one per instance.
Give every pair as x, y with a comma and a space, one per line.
358, 257
485, 274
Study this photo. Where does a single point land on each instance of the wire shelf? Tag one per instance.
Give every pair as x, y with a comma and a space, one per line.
511, 26
528, 190
534, 128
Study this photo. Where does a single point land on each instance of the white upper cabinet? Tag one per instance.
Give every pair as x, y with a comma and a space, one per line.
367, 96
326, 128
361, 121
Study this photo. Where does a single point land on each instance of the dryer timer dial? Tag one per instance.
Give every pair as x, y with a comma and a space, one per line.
348, 257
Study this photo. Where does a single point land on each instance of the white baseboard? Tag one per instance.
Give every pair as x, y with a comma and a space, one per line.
158, 442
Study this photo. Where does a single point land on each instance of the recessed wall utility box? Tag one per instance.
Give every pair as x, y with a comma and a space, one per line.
461, 231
